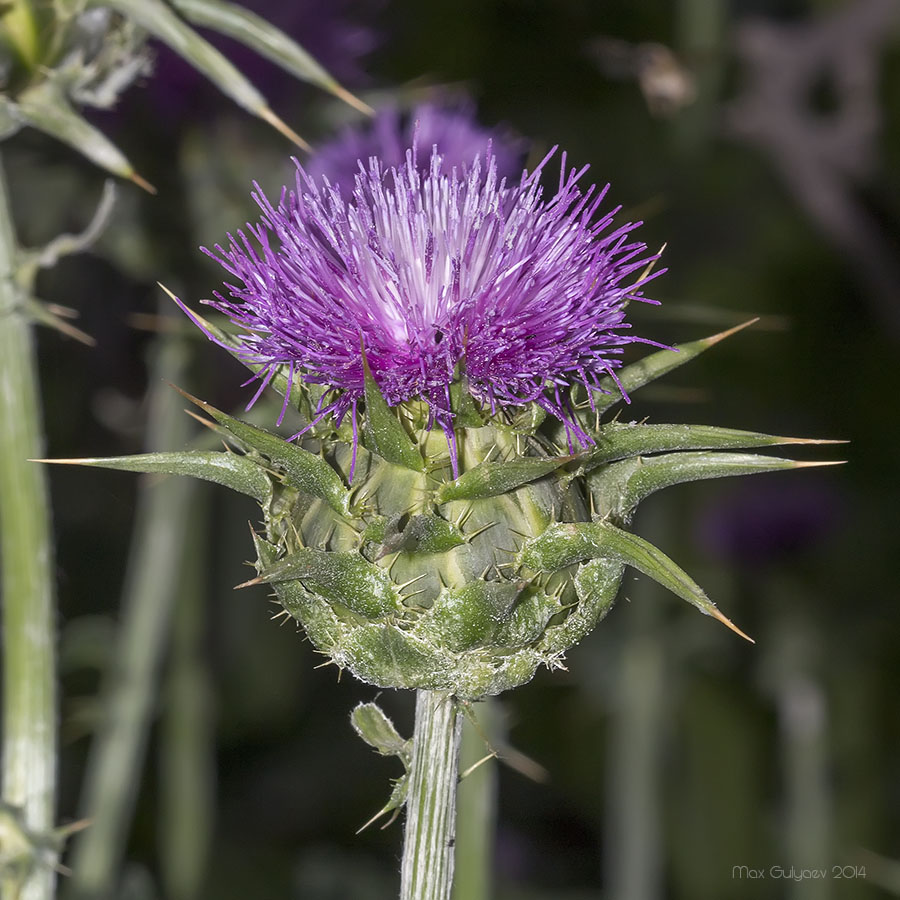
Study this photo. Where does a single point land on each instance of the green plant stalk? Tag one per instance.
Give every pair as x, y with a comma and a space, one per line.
131, 687
26, 581
803, 716
427, 868
186, 741
635, 770
477, 806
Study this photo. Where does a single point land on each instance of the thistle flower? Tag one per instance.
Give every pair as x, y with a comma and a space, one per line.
451, 126
459, 299
434, 278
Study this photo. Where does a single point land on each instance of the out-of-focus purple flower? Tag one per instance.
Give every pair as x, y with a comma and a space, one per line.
339, 34
767, 523
431, 273
453, 128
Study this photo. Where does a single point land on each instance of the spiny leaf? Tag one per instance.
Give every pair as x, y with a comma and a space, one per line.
57, 318
236, 472
304, 470
342, 577
384, 433
596, 584
565, 544
267, 40
651, 367
162, 22
618, 441
426, 533
469, 616
619, 488
371, 723
490, 479
279, 381
395, 802
46, 108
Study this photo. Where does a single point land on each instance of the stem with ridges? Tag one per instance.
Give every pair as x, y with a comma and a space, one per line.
131, 688
427, 869
26, 561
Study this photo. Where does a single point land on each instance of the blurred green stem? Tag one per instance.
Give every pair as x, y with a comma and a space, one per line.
131, 685
803, 726
701, 41
186, 763
26, 582
634, 834
636, 744
427, 868
477, 807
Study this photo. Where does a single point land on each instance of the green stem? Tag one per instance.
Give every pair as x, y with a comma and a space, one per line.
26, 582
635, 767
477, 806
187, 766
427, 869
132, 683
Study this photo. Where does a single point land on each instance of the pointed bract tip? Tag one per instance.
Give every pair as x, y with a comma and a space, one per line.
203, 324
267, 115
196, 401
714, 339
791, 440
143, 183
716, 614
258, 580
204, 422
71, 828
87, 461
809, 464
351, 99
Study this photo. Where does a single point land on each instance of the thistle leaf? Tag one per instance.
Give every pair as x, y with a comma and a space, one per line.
302, 469
341, 577
53, 317
279, 381
162, 22
596, 585
651, 367
236, 472
383, 431
46, 108
469, 616
396, 801
256, 33
619, 488
490, 479
371, 723
565, 544
423, 534
618, 441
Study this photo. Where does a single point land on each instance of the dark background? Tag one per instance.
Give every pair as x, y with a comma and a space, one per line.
674, 751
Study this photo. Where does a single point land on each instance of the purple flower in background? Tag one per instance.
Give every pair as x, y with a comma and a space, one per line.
769, 523
453, 128
431, 271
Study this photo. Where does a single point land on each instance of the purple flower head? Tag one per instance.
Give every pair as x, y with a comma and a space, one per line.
453, 128
432, 274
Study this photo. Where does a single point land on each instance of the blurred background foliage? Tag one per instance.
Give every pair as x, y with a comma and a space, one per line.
759, 139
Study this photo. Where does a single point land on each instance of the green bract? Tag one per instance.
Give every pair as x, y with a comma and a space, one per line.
414, 579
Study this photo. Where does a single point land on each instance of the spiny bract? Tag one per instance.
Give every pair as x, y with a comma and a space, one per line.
461, 558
